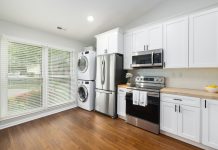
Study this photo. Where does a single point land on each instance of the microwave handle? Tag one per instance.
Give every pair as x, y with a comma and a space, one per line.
152, 58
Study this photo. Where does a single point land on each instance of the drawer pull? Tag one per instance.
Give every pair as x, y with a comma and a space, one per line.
176, 99
205, 104
179, 109
175, 108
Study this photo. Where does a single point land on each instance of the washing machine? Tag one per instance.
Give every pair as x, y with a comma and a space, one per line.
87, 64
86, 94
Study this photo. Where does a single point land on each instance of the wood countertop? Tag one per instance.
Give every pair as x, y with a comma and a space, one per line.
190, 92
123, 86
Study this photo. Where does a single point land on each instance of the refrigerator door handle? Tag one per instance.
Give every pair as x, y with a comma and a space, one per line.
102, 65
102, 91
103, 72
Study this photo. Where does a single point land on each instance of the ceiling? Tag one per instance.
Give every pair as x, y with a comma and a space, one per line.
46, 15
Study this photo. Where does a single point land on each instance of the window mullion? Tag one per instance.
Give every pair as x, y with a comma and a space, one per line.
4, 78
45, 76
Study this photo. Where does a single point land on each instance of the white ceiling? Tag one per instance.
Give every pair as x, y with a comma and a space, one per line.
46, 15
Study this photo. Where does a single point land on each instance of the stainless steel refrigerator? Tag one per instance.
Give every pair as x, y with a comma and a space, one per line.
109, 73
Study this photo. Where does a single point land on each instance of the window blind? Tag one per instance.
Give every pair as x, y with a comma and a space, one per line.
24, 78
59, 77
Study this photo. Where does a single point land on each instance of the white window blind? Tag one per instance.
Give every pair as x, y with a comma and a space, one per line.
24, 78
59, 77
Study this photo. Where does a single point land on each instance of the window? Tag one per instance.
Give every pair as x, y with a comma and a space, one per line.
24, 78
34, 78
59, 77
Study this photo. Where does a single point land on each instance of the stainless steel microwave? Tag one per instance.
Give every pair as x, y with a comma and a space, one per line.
150, 58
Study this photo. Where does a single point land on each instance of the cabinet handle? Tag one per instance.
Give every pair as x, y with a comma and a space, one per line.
144, 47
147, 47
205, 103
179, 109
175, 108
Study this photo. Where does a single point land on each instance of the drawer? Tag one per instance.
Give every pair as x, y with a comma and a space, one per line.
182, 100
123, 90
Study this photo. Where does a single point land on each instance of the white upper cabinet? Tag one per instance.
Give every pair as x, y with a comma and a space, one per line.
210, 123
127, 50
204, 39
110, 42
155, 37
102, 45
140, 40
148, 38
176, 43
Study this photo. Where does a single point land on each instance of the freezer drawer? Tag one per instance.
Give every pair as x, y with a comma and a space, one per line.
105, 102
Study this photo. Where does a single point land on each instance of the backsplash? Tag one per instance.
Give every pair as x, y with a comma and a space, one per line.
182, 78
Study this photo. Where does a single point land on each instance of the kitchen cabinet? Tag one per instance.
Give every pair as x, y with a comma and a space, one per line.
203, 39
176, 43
169, 119
110, 42
127, 53
155, 37
210, 123
140, 40
121, 102
180, 115
148, 38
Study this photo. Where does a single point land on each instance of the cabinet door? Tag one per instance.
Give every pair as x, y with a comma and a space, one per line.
155, 37
189, 122
169, 118
121, 102
204, 39
140, 40
102, 45
210, 123
127, 51
112, 43
176, 43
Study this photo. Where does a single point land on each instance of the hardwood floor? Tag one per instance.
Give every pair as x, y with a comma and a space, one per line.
79, 129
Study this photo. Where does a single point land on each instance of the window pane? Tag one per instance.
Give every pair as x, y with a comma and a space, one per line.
59, 82
24, 77
59, 62
59, 91
24, 94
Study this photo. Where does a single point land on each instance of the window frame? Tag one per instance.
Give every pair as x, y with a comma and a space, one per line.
4, 40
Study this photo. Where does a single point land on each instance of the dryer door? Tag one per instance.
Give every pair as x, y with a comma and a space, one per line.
83, 93
82, 64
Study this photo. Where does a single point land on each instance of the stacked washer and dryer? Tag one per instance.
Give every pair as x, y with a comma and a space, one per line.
86, 78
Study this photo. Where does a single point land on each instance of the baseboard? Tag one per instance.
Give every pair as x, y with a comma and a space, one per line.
19, 120
187, 141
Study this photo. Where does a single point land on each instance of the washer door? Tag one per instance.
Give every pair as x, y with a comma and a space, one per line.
82, 64
83, 93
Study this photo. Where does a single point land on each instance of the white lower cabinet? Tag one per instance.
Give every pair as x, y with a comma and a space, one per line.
121, 102
189, 123
169, 119
210, 123
180, 115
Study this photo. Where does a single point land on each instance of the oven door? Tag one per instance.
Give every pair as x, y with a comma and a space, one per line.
150, 113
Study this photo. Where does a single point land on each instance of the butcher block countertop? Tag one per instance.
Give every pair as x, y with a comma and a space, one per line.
123, 86
190, 92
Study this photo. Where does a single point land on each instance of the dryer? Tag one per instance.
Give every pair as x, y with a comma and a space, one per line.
86, 94
86, 65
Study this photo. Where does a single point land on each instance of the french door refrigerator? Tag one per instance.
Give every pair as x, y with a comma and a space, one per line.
109, 73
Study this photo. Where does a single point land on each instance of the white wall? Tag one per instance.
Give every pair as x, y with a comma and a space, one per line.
25, 33
181, 78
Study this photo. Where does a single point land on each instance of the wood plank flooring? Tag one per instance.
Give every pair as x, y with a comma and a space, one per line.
78, 129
